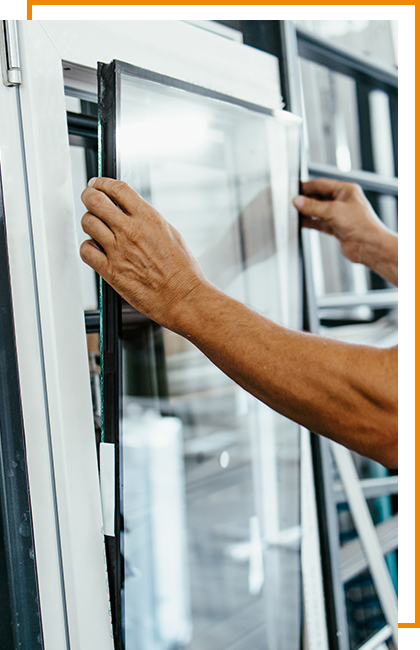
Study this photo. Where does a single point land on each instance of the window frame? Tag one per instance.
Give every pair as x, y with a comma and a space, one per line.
47, 298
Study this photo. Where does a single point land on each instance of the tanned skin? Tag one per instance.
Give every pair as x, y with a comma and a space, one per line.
343, 391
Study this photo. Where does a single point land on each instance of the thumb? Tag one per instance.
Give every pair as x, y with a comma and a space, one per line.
311, 207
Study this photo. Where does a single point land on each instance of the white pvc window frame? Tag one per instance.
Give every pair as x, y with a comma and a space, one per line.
47, 296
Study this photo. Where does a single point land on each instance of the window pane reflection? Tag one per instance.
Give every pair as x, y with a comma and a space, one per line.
210, 476
331, 116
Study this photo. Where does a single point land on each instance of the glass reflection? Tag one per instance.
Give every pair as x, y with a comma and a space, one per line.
210, 493
331, 116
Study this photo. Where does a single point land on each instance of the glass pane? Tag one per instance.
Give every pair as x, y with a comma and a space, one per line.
80, 149
388, 211
331, 116
210, 476
383, 155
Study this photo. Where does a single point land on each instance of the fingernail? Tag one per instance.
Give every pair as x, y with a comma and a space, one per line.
299, 202
92, 181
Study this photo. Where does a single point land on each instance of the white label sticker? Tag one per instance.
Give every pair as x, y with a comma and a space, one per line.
107, 479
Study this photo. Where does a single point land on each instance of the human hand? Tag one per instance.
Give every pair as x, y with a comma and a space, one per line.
143, 257
341, 209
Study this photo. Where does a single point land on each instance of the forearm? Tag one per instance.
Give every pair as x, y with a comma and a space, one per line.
345, 392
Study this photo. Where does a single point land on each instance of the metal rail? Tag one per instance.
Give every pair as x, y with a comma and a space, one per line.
377, 639
340, 59
352, 556
83, 125
379, 299
368, 181
368, 536
92, 321
372, 488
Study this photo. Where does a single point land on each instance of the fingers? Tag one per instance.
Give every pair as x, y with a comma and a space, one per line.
119, 192
102, 207
316, 224
91, 255
311, 207
325, 187
98, 230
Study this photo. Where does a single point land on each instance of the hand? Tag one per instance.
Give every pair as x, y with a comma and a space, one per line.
341, 209
143, 257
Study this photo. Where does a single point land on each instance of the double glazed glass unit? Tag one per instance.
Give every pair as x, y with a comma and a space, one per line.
208, 489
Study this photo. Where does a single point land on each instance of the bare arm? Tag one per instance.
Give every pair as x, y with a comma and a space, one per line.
345, 392
341, 209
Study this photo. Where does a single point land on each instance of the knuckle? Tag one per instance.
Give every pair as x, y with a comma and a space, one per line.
132, 234
84, 194
84, 251
86, 221
120, 185
128, 231
355, 188
95, 201
120, 188
92, 199
111, 274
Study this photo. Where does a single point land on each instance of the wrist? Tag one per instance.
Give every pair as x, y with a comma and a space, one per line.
380, 254
189, 316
